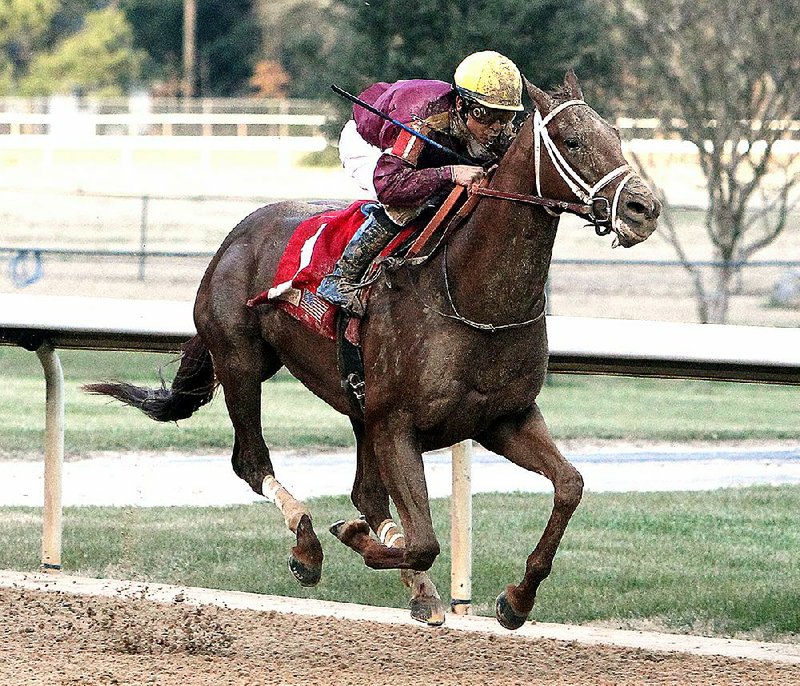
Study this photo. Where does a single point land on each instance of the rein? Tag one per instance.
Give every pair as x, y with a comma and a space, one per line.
482, 326
597, 209
573, 207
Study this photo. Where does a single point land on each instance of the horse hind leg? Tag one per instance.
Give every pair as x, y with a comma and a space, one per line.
425, 604
371, 498
241, 376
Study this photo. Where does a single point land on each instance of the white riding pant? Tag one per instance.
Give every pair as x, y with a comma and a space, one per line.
359, 159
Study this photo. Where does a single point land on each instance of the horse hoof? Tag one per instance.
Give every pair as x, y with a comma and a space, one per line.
336, 527
307, 576
506, 615
428, 610
347, 531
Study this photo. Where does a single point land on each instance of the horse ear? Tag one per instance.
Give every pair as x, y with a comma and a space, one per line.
543, 102
571, 82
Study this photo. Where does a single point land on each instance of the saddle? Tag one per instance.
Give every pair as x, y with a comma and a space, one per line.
311, 254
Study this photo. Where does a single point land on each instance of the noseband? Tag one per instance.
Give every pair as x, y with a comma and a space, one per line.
601, 213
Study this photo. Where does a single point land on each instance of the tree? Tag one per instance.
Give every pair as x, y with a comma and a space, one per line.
308, 40
98, 59
228, 41
394, 39
269, 79
729, 72
355, 43
24, 25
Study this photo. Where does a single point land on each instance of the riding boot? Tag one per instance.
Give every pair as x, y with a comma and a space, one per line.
341, 286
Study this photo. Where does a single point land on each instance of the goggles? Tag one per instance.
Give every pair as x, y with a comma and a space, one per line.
487, 116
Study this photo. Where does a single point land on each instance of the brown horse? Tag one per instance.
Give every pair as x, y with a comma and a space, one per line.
453, 349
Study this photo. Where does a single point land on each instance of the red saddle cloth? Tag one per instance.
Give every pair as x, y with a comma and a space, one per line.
310, 255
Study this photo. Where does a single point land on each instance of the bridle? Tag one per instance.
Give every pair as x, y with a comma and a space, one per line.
597, 209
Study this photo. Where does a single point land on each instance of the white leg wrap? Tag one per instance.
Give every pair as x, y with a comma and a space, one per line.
270, 487
390, 535
419, 582
291, 509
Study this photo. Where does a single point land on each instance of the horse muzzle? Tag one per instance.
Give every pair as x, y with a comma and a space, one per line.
637, 214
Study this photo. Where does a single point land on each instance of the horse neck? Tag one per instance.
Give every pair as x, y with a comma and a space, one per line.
502, 254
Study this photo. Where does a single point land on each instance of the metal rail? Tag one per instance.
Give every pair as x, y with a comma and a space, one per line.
573, 261
26, 263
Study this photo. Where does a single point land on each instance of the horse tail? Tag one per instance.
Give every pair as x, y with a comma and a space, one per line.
192, 387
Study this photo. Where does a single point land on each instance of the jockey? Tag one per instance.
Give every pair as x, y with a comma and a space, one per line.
405, 174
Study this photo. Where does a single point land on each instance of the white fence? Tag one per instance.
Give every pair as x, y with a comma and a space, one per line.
143, 115
86, 124
577, 345
121, 129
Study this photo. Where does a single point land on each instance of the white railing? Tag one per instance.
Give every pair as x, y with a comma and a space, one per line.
577, 345
161, 124
141, 101
145, 116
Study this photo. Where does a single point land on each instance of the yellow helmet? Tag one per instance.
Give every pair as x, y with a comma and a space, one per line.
490, 79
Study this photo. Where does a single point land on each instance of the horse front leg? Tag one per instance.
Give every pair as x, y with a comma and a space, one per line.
525, 440
371, 498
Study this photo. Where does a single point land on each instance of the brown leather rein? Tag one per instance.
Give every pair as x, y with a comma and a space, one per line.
598, 212
573, 207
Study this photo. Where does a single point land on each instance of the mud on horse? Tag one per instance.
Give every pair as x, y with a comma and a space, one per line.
454, 349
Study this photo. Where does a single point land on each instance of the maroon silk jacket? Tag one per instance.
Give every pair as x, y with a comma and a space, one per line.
410, 172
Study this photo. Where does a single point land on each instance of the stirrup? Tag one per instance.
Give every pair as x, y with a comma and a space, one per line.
348, 301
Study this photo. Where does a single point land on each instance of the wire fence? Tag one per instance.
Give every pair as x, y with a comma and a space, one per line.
158, 246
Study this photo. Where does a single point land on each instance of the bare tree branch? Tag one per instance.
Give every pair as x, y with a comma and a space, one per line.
730, 69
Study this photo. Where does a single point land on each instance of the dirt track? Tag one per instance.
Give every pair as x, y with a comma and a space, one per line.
65, 639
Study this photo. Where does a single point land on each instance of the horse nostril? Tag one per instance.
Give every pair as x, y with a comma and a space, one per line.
643, 210
636, 208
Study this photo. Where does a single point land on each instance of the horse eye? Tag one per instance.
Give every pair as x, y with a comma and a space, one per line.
572, 143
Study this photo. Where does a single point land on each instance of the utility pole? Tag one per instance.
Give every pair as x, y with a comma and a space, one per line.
189, 47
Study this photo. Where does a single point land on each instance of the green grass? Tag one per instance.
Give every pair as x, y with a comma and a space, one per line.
669, 409
574, 406
725, 562
292, 416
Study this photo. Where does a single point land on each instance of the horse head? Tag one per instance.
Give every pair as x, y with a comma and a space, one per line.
577, 156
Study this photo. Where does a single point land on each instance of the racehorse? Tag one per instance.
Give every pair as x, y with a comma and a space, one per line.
454, 348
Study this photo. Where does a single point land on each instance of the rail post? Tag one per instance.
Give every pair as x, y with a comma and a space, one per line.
461, 530
52, 513
143, 236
